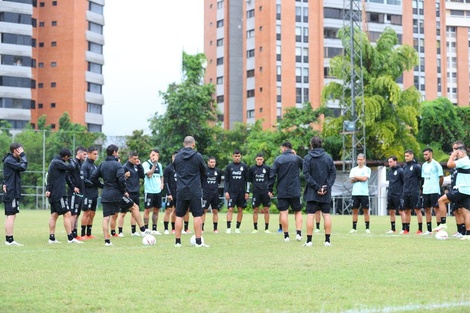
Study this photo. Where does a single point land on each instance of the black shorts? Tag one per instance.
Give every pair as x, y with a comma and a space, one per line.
170, 203
261, 199
60, 207
360, 202
458, 198
212, 201
12, 207
238, 201
394, 203
125, 204
314, 206
111, 208
430, 200
89, 204
284, 203
411, 201
194, 206
153, 200
75, 203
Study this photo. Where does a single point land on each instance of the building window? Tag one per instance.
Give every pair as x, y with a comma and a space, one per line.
94, 47
95, 7
53, 84
250, 53
220, 61
41, 24
53, 64
250, 114
95, 28
250, 93
54, 3
220, 99
52, 126
41, 44
95, 88
53, 43
40, 85
95, 68
220, 80
250, 73
54, 23
94, 128
250, 33
42, 4
94, 108
250, 13
220, 23
41, 65
220, 42
39, 105
52, 105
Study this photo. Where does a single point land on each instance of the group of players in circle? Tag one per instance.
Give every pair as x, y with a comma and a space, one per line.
192, 186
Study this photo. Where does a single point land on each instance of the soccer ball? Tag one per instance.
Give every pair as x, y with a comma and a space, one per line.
441, 235
149, 240
192, 240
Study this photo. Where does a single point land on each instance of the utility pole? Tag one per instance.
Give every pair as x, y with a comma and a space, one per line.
353, 134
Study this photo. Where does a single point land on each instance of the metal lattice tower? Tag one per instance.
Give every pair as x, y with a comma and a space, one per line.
352, 103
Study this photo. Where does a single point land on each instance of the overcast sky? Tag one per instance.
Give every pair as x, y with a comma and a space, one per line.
144, 40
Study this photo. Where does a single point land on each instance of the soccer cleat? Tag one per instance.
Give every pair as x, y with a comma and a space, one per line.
155, 232
286, 239
81, 238
255, 231
146, 232
390, 232
54, 241
177, 245
202, 245
115, 235
74, 240
237, 231
298, 237
418, 232
183, 232
401, 232
90, 237
228, 231
267, 231
426, 233
279, 231
13, 243
135, 234
166, 232
307, 244
458, 235
440, 227
187, 231
327, 244
107, 244
353, 231
465, 237
173, 231
317, 230
216, 231
367, 231
121, 235
405, 232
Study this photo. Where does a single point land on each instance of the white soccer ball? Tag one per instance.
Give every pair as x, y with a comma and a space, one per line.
442, 235
149, 240
192, 240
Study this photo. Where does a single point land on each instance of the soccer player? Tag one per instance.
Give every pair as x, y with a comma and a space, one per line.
210, 192
169, 177
57, 194
320, 174
236, 189
433, 176
13, 164
359, 177
460, 193
258, 175
134, 172
457, 209
153, 183
114, 195
395, 190
190, 170
75, 195
286, 168
90, 195
411, 189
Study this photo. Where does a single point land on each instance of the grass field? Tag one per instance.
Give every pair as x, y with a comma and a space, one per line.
238, 273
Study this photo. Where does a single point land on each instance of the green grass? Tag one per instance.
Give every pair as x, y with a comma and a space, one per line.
238, 273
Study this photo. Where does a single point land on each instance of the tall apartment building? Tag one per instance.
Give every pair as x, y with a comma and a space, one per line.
51, 61
267, 55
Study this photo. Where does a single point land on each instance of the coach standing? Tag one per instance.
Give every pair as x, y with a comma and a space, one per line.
190, 171
13, 164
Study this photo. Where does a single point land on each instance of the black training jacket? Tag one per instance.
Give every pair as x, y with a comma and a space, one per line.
286, 168
56, 179
319, 170
133, 181
76, 176
12, 167
210, 185
190, 171
169, 178
91, 190
236, 179
114, 181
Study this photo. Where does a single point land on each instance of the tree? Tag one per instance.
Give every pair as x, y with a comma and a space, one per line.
391, 114
440, 124
464, 116
190, 110
138, 142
